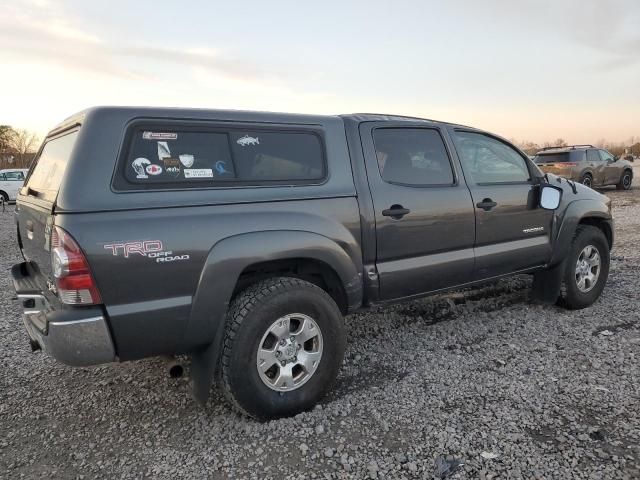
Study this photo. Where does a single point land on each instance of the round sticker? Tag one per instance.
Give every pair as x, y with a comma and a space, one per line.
154, 169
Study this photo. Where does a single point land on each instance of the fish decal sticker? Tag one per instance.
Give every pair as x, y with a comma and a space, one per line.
247, 140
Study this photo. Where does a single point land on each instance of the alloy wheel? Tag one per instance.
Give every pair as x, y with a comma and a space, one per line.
587, 268
289, 352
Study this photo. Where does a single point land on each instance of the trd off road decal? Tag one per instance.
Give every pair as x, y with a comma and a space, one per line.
146, 248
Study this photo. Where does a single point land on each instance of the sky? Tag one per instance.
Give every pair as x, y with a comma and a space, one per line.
528, 70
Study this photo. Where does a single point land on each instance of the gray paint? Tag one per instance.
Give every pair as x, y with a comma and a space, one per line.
154, 308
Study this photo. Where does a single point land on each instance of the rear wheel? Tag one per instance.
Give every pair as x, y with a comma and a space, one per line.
625, 180
284, 344
4, 197
587, 268
587, 180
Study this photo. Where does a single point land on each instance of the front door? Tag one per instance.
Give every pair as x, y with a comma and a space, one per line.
425, 226
612, 170
512, 231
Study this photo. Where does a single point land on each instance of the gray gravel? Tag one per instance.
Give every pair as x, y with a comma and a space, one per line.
510, 389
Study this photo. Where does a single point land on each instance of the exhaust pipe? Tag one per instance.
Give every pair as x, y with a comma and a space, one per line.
174, 367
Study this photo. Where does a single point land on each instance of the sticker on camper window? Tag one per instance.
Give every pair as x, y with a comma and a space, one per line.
163, 151
153, 169
198, 173
172, 165
186, 160
139, 165
247, 140
159, 136
221, 167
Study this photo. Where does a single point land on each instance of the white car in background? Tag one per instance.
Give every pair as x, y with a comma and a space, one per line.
11, 181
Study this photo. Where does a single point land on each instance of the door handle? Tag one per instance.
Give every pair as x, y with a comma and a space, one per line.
486, 204
396, 212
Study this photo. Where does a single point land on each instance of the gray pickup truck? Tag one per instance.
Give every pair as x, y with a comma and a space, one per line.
243, 238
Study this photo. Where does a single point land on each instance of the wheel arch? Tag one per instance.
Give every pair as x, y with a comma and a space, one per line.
254, 254
236, 262
546, 283
585, 212
626, 169
601, 224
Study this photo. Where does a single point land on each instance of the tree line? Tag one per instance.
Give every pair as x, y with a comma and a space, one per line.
18, 146
631, 146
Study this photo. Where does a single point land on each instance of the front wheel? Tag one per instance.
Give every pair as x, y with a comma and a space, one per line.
625, 181
587, 180
587, 268
284, 344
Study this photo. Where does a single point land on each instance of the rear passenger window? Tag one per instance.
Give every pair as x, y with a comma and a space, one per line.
412, 156
176, 158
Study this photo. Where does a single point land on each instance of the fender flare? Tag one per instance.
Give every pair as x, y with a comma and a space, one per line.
574, 213
223, 266
229, 257
624, 170
547, 283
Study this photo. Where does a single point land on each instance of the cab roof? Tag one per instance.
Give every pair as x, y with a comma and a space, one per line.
237, 115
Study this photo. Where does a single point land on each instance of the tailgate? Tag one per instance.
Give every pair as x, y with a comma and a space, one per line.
555, 168
36, 203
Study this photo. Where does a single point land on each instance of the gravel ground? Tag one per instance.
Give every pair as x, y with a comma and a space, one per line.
511, 389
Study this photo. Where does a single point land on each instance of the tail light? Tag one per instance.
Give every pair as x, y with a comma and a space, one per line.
74, 281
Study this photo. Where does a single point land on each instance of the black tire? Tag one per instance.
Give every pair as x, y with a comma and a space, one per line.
4, 196
570, 295
587, 180
250, 316
625, 180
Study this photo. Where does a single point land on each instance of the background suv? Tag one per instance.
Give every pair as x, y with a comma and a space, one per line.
586, 164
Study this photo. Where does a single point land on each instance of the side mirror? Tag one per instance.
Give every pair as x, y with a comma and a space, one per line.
550, 197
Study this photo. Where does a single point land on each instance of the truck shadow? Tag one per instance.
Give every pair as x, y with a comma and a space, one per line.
373, 327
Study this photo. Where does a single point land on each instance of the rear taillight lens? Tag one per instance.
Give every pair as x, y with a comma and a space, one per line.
74, 282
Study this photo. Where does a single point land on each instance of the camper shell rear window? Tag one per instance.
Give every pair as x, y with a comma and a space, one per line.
177, 157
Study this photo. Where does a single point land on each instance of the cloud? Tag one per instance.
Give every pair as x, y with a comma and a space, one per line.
35, 30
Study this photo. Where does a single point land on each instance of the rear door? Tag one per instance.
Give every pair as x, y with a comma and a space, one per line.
423, 211
37, 198
512, 232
